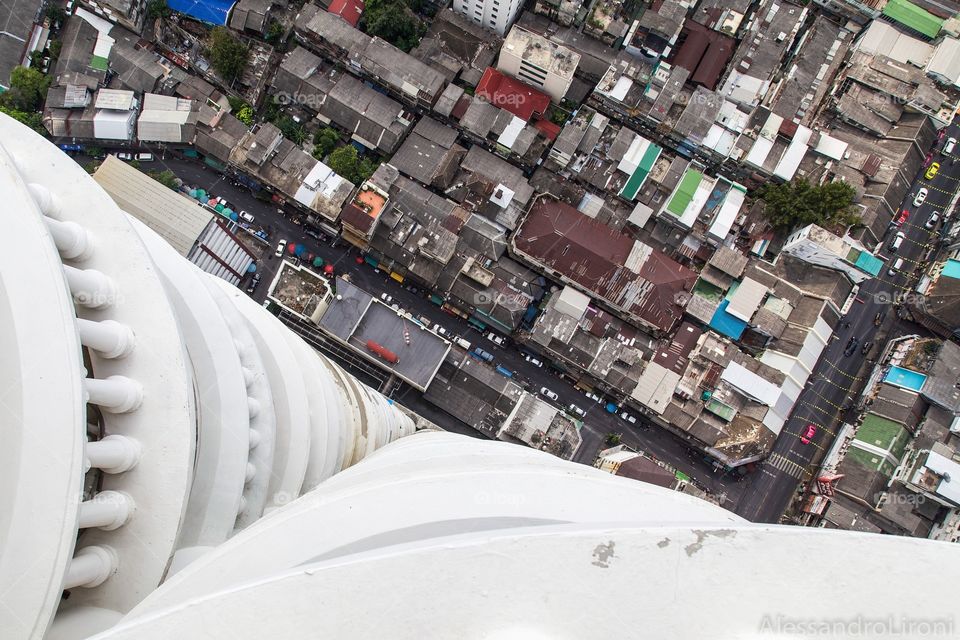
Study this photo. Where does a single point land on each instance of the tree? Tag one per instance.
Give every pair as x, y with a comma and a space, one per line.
393, 21
167, 178
345, 160
158, 9
366, 169
275, 31
291, 129
245, 115
799, 203
227, 54
28, 88
324, 142
612, 439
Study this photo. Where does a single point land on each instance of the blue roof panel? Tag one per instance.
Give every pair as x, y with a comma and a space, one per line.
210, 11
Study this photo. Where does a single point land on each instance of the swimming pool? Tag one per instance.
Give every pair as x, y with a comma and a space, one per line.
905, 378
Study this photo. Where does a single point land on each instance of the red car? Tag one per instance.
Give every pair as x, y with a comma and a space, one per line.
928, 159
808, 434
903, 217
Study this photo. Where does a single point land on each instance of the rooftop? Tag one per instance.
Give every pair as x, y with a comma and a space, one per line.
349, 10
175, 217
356, 318
511, 94
628, 274
541, 52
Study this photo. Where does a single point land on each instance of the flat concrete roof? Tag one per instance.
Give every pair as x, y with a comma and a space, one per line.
354, 316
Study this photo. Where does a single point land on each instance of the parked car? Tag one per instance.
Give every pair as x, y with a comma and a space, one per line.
504, 371
932, 171
629, 417
253, 283
546, 393
808, 433
865, 349
246, 217
125, 156
895, 267
951, 143
900, 219
486, 356
388, 299
280, 247
920, 198
463, 344
932, 220
145, 157
852, 344
495, 339
529, 358
897, 240
594, 397
577, 411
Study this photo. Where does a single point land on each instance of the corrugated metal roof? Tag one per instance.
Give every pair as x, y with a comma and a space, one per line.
914, 17
746, 299
684, 193
178, 219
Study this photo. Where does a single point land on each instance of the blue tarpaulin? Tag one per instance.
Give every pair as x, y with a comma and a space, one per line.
728, 325
211, 11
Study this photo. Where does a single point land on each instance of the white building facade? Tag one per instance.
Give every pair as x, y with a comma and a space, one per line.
538, 62
496, 15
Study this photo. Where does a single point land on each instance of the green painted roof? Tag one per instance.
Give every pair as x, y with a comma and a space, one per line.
98, 63
914, 17
870, 460
684, 193
636, 180
883, 433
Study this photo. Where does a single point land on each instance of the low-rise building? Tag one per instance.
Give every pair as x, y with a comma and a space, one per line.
403, 75
457, 47
251, 16
167, 119
630, 277
430, 154
816, 245
202, 237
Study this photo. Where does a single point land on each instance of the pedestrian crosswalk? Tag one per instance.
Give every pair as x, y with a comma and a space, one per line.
786, 465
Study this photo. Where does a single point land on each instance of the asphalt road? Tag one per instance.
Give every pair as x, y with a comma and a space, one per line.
597, 424
838, 378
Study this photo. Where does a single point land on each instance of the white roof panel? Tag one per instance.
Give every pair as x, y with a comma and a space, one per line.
746, 299
750, 384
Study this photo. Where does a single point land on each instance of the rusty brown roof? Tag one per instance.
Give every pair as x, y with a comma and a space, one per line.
595, 256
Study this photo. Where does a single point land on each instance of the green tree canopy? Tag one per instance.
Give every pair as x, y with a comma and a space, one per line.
324, 140
158, 9
227, 54
799, 203
167, 178
28, 89
393, 21
346, 161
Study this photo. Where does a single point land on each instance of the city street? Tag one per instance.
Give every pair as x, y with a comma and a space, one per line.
597, 424
836, 382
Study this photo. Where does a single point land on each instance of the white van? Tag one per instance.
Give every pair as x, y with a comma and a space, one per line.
951, 143
897, 241
895, 267
462, 343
